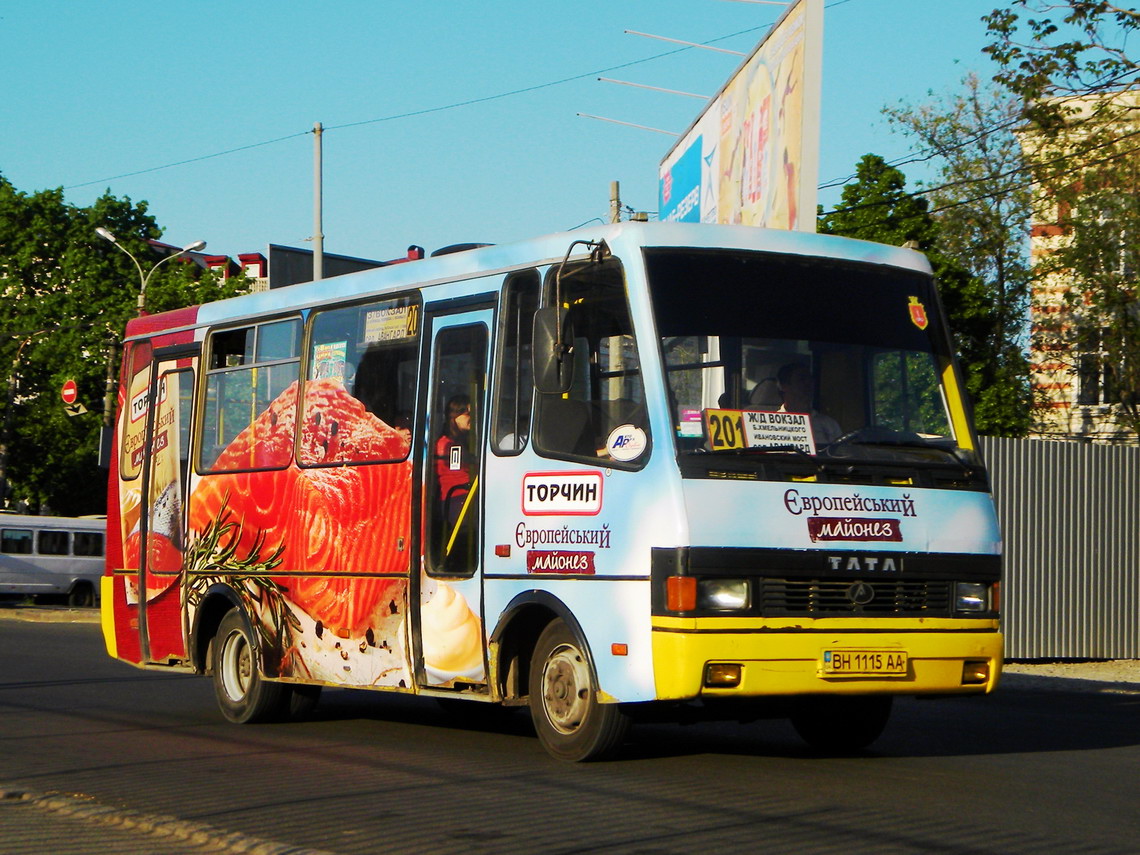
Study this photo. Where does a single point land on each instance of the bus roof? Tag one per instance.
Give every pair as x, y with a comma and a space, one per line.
623, 239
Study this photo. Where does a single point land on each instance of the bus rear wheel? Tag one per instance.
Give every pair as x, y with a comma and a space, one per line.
244, 696
82, 596
841, 724
569, 721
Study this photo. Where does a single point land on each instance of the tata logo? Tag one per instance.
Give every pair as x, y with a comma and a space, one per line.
860, 593
865, 563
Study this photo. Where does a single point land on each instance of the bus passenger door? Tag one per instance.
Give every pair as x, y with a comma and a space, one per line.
162, 523
451, 636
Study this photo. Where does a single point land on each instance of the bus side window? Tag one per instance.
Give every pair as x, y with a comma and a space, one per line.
456, 421
135, 383
16, 541
52, 542
88, 543
249, 368
514, 375
607, 391
363, 356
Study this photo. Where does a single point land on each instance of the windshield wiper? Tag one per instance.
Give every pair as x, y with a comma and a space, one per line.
768, 449
881, 436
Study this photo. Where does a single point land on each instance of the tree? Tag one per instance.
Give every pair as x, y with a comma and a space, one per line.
1080, 95
67, 295
981, 200
1066, 50
877, 207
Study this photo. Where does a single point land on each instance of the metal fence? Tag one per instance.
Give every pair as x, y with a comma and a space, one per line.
1070, 519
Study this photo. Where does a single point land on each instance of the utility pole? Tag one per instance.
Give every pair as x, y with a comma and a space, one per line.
318, 228
615, 202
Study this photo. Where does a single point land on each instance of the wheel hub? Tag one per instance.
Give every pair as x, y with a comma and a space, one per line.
565, 691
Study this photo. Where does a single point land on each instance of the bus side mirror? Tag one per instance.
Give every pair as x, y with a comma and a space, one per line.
553, 365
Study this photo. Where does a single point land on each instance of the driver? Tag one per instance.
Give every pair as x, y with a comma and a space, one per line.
798, 391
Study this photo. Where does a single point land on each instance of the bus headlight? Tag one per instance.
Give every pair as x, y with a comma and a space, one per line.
971, 597
722, 595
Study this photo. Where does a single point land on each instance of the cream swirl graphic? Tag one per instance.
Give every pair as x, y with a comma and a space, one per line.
452, 637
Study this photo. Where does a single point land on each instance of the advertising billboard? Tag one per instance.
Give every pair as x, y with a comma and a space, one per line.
752, 155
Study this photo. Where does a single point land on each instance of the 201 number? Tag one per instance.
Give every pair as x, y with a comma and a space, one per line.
725, 431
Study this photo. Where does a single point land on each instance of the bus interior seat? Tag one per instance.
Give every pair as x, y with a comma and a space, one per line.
765, 395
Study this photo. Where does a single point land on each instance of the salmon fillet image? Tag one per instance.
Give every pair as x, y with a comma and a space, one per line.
328, 523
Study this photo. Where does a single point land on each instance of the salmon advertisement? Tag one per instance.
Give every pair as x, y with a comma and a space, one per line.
317, 550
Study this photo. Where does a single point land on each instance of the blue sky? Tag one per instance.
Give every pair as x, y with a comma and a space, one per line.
97, 90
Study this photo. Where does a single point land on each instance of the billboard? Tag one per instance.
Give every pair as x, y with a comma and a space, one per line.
752, 156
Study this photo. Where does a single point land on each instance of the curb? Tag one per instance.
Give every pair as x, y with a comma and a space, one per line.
48, 614
156, 824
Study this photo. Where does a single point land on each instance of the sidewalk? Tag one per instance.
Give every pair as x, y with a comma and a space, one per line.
34, 823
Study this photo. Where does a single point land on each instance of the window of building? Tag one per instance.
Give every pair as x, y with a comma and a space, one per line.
1097, 373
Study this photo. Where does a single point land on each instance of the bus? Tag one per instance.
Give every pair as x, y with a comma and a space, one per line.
652, 470
52, 558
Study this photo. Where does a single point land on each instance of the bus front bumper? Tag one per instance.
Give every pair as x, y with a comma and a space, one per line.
709, 658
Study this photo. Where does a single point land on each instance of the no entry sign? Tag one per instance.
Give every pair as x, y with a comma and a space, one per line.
69, 392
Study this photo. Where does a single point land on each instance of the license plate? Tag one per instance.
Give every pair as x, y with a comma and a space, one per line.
885, 663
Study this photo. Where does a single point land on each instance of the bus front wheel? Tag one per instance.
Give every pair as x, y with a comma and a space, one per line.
843, 723
569, 721
243, 694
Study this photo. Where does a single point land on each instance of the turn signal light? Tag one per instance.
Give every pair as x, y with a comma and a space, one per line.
681, 593
722, 675
975, 672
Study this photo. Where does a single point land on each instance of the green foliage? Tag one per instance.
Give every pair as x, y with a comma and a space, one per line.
1069, 66
1061, 49
67, 297
877, 207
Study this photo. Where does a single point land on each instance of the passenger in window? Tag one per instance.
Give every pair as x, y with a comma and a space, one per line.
453, 467
403, 426
798, 391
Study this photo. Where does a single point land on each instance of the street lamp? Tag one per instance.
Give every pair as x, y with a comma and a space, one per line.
144, 278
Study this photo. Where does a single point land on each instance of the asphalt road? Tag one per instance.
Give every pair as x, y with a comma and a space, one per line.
145, 756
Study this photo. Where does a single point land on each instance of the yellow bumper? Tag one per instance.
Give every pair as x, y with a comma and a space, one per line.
107, 615
785, 657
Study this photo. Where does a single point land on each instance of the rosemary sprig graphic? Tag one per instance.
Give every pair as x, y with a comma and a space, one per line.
212, 557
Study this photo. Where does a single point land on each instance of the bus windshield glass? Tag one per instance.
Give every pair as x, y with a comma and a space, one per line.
768, 354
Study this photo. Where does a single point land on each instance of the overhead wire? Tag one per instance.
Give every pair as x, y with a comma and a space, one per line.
422, 112
426, 111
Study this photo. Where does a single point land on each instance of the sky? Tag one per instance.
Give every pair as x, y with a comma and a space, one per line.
445, 122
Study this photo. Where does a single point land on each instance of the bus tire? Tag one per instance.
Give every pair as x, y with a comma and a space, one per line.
81, 596
244, 696
841, 724
570, 722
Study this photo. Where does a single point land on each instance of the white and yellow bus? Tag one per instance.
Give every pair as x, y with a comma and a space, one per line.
644, 470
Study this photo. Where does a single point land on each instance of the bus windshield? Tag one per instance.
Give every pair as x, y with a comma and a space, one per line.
769, 354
